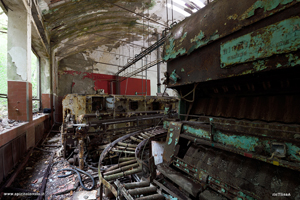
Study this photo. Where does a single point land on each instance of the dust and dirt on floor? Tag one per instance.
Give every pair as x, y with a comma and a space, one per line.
39, 179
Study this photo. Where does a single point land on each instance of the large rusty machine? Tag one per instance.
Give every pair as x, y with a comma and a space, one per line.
93, 121
236, 66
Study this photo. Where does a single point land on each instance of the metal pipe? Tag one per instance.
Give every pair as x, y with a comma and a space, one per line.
143, 54
133, 160
81, 154
148, 134
126, 148
136, 185
122, 174
145, 136
126, 159
127, 145
121, 169
145, 190
135, 139
121, 151
142, 79
154, 197
146, 79
158, 67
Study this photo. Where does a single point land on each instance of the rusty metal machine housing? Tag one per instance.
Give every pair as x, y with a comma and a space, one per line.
92, 121
236, 66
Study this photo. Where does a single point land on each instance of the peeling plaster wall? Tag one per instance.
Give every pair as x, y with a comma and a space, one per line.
45, 76
76, 72
19, 54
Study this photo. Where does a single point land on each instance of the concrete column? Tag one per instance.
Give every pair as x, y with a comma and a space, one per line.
19, 64
46, 83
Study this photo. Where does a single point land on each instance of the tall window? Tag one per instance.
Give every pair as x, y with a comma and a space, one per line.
35, 71
3, 64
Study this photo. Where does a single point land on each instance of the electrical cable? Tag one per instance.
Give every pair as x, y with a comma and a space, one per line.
76, 170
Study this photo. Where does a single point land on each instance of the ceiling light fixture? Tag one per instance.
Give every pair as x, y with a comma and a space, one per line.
178, 10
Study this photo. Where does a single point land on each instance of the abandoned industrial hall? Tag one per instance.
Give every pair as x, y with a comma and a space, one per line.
149, 99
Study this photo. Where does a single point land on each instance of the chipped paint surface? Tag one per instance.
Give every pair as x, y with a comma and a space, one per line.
170, 52
267, 5
248, 143
199, 40
244, 142
198, 132
277, 38
18, 56
210, 25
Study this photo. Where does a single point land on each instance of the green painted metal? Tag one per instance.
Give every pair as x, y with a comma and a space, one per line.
172, 140
244, 142
199, 40
278, 38
247, 143
174, 76
266, 5
171, 52
197, 132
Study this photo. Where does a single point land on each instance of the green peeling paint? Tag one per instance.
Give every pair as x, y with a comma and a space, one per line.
198, 132
166, 124
259, 65
183, 37
281, 37
247, 143
293, 60
182, 70
245, 196
293, 151
267, 5
170, 141
174, 76
198, 37
199, 40
169, 197
170, 51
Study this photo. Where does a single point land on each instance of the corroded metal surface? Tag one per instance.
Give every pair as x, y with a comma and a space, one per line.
172, 140
120, 170
217, 20
91, 121
242, 176
204, 64
277, 38
254, 140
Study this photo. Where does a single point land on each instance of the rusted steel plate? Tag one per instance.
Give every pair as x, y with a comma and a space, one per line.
277, 38
253, 178
172, 140
280, 108
217, 20
203, 64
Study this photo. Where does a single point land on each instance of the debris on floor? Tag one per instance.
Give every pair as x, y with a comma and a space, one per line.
49, 175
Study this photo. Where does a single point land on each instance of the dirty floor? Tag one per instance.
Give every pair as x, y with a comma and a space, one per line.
39, 178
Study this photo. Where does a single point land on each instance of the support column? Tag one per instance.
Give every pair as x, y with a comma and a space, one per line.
46, 83
19, 64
